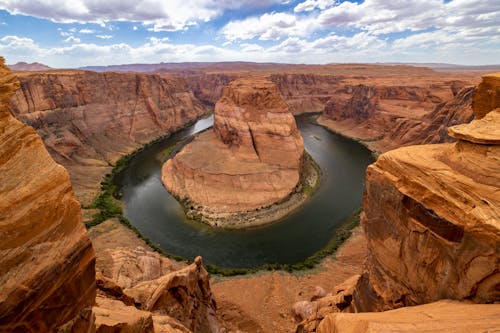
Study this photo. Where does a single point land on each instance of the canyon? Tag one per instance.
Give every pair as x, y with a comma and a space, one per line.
48, 277
89, 120
251, 159
431, 218
428, 209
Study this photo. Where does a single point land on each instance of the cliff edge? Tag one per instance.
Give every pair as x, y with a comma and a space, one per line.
47, 274
432, 222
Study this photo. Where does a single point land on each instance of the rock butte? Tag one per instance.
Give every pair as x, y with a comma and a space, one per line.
251, 159
432, 222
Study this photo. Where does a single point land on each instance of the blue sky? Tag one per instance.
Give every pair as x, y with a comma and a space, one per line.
75, 33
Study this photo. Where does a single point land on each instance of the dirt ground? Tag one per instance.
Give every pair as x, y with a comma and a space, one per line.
263, 302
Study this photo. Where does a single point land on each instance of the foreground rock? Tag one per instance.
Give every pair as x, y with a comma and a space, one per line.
140, 288
432, 221
89, 120
438, 317
251, 159
47, 273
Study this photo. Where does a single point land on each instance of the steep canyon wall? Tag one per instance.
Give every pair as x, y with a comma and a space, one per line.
47, 274
88, 120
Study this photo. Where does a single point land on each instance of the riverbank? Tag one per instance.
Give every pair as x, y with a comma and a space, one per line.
263, 302
349, 131
142, 169
310, 179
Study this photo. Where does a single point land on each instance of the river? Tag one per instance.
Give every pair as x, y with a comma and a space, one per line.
159, 217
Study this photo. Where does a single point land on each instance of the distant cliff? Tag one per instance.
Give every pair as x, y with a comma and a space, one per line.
386, 117
88, 120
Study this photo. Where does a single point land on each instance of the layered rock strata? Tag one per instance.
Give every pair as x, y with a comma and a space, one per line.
89, 120
141, 291
432, 221
387, 117
251, 159
47, 274
438, 317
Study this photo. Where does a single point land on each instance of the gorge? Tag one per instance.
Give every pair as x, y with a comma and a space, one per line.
440, 217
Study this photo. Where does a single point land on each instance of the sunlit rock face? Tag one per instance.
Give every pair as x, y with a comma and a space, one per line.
432, 217
89, 120
47, 274
251, 159
432, 222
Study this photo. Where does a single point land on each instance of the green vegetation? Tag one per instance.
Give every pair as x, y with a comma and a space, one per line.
109, 206
342, 234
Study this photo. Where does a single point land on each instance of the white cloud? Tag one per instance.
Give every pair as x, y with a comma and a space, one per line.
104, 36
361, 47
269, 26
246, 47
171, 15
382, 17
72, 39
135, 28
310, 5
87, 31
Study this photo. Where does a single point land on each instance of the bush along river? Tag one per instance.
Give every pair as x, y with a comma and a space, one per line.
294, 242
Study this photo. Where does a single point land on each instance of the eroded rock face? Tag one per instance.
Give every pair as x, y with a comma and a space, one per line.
432, 221
251, 159
47, 275
89, 120
387, 117
432, 218
441, 316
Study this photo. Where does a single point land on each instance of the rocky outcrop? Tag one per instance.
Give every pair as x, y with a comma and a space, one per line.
251, 159
158, 293
179, 297
487, 97
387, 117
47, 277
24, 66
438, 317
432, 221
88, 120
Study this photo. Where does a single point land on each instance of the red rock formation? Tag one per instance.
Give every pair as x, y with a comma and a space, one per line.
251, 159
46, 259
432, 221
387, 117
487, 96
24, 66
172, 295
438, 317
88, 120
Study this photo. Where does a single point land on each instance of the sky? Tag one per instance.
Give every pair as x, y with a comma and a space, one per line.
74, 33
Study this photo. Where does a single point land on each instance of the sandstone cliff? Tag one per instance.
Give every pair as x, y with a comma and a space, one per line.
387, 117
88, 120
46, 259
251, 159
432, 222
142, 290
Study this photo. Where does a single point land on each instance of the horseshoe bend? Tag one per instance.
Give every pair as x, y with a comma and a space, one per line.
425, 258
252, 158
